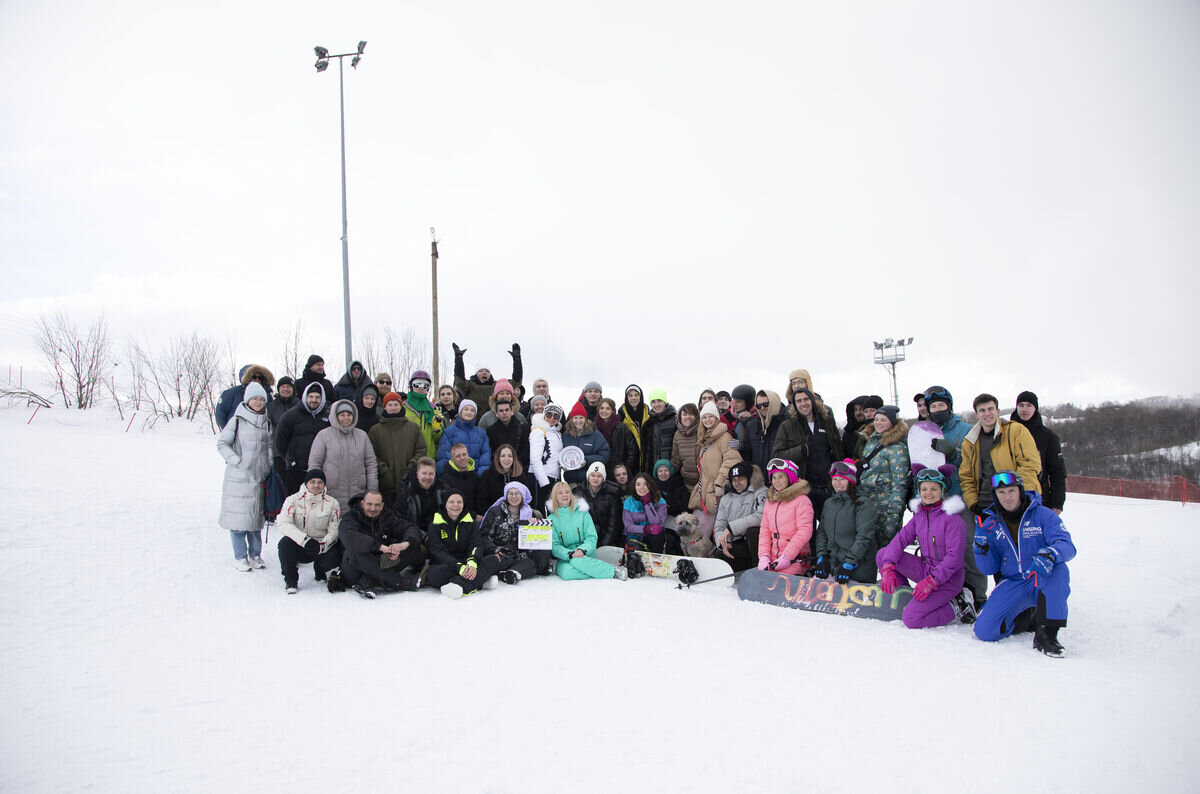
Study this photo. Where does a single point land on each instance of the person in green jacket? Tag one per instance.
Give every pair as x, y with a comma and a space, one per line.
421, 411
398, 445
574, 539
846, 534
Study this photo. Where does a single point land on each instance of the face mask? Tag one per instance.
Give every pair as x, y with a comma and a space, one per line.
939, 417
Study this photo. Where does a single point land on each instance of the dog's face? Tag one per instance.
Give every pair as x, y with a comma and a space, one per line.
686, 524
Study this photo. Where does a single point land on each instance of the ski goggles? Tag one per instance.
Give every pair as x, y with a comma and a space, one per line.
841, 469
423, 385
1004, 479
779, 464
935, 393
932, 475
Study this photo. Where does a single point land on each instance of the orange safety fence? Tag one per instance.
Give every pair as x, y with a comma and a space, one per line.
1176, 489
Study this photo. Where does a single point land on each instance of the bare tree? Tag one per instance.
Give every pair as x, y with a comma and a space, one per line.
294, 342
79, 361
369, 353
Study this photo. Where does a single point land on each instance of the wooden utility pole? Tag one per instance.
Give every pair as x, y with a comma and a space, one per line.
436, 374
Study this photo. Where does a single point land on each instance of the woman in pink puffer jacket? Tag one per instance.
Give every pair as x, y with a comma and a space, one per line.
787, 521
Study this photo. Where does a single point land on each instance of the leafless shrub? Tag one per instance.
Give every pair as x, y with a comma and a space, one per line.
79, 361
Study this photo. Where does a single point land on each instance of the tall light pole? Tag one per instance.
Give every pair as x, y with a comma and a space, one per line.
888, 354
323, 57
437, 375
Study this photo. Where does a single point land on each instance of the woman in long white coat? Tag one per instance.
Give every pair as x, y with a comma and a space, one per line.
245, 443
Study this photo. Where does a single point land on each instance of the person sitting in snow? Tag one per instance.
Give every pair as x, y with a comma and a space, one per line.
940, 532
1027, 544
382, 551
309, 526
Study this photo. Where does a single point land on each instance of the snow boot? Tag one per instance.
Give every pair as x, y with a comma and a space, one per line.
633, 564
365, 591
241, 564
257, 562
335, 583
619, 572
686, 571
409, 582
509, 576
1046, 640
964, 607
292, 589
452, 590
490, 584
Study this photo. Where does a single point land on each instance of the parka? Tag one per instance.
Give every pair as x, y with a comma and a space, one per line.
787, 527
1053, 477
234, 396
346, 456
296, 432
605, 507
545, 448
812, 450
740, 512
758, 443
464, 432
398, 445
685, 451
657, 434
885, 479
846, 533
307, 516
595, 449
941, 533
716, 458
245, 444
347, 387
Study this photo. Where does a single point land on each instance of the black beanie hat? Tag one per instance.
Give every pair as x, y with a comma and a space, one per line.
1028, 397
286, 380
739, 470
725, 394
874, 401
315, 474
890, 411
314, 359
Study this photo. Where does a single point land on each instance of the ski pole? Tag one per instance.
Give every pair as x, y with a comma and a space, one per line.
702, 581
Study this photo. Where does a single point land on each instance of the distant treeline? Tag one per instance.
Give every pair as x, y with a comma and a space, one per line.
1112, 440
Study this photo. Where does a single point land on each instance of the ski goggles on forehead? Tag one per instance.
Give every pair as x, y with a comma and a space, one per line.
779, 464
932, 475
1005, 479
841, 468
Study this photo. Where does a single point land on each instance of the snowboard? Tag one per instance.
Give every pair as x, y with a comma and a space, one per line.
663, 565
822, 595
920, 436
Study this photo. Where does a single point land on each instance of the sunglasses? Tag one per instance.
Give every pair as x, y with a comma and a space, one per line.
382, 382
762, 405
1006, 478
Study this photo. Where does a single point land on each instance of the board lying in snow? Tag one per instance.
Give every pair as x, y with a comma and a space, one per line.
822, 595
663, 565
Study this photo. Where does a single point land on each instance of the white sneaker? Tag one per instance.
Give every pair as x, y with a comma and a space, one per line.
491, 583
256, 562
293, 590
241, 564
619, 572
452, 590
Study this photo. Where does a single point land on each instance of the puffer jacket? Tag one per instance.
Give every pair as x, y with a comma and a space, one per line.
545, 448
758, 443
245, 443
493, 484
657, 433
346, 456
954, 430
740, 512
296, 432
716, 458
811, 450
1040, 526
625, 449
365, 535
846, 533
634, 418
572, 529
277, 407
455, 542
306, 516
942, 535
1053, 477
595, 450
501, 529
398, 445
308, 377
787, 527
685, 452
347, 387
463, 432
1013, 449
605, 507
886, 478
417, 504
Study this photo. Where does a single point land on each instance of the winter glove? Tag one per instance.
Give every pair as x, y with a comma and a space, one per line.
924, 588
843, 575
312, 546
783, 562
763, 562
982, 547
516, 350
734, 444
943, 446
977, 509
458, 351
889, 580
1042, 565
821, 569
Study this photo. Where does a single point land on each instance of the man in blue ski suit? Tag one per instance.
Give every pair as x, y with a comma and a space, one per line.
1028, 546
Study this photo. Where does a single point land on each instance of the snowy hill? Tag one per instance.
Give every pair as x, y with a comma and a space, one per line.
135, 658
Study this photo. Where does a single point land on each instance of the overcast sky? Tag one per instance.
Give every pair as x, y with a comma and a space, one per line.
675, 194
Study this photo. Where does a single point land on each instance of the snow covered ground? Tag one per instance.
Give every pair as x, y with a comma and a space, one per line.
135, 658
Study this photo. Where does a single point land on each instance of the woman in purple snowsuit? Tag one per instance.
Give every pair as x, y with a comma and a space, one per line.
939, 571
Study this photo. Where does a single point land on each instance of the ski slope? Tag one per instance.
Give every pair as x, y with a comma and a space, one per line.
135, 658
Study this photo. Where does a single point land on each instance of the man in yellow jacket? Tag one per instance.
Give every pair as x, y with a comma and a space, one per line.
991, 446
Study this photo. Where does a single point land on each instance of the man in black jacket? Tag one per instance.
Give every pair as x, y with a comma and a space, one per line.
314, 372
1053, 476
283, 401
382, 550
295, 435
420, 495
509, 428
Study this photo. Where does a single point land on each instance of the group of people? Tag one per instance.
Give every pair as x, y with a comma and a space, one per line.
393, 490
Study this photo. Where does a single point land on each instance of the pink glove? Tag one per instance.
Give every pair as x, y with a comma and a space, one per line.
888, 580
763, 562
783, 562
924, 588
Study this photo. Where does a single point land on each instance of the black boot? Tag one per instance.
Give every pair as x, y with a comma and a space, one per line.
1045, 639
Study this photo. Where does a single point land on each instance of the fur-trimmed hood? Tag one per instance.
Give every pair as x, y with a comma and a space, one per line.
896, 434
798, 488
257, 369
952, 505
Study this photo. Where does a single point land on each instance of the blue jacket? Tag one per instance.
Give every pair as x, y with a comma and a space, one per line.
1040, 526
468, 433
595, 449
955, 430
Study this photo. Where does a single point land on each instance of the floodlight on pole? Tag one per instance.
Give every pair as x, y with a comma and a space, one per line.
888, 354
323, 59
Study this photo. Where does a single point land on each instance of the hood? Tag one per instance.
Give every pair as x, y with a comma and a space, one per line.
470, 466
819, 409
851, 422
799, 373
317, 387
1034, 421
667, 414
526, 505
340, 405
255, 369
415, 484
798, 488
776, 403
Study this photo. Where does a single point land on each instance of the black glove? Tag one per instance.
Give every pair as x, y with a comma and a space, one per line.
516, 350
843, 575
312, 546
458, 351
943, 446
978, 510
821, 569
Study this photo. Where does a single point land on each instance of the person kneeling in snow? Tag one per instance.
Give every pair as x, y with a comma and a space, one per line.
382, 550
309, 523
939, 572
1028, 546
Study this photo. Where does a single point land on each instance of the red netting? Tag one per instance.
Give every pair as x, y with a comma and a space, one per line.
1174, 490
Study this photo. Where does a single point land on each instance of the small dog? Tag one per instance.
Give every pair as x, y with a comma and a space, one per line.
694, 542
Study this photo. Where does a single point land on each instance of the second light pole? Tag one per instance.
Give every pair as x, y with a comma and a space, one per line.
323, 58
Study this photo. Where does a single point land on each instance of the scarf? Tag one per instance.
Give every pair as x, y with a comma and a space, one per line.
606, 426
420, 403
